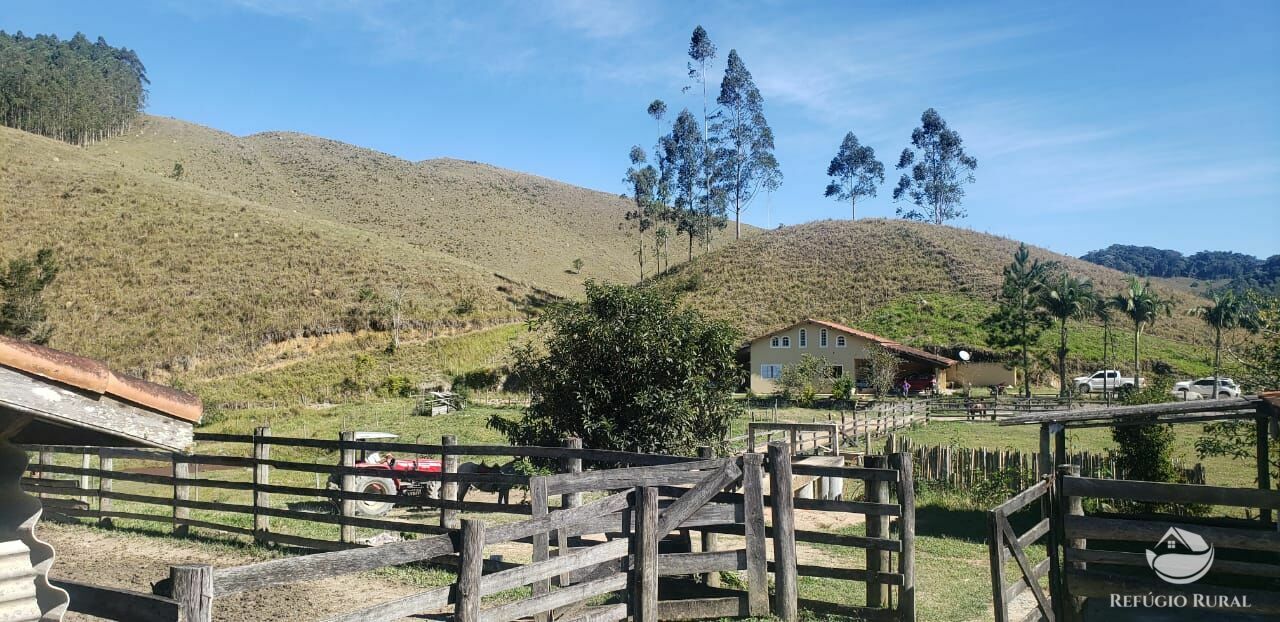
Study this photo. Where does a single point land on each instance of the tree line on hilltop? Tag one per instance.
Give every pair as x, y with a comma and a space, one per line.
714, 163
78, 91
1243, 271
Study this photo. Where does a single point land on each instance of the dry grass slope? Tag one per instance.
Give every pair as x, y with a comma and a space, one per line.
846, 271
161, 273
274, 236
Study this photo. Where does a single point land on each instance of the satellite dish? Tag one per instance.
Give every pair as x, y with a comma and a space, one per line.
964, 356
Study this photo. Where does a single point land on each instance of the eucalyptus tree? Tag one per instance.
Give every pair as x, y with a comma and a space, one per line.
642, 179
663, 212
1066, 298
685, 149
855, 173
75, 90
1019, 318
710, 205
1227, 312
936, 173
744, 155
1142, 307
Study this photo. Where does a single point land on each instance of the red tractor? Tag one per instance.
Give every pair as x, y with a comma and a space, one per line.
405, 490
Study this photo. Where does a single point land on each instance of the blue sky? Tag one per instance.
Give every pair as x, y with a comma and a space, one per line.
1093, 122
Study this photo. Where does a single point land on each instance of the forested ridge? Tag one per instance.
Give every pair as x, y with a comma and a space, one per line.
1243, 271
77, 91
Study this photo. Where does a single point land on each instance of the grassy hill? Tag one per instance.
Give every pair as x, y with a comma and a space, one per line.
924, 284
270, 247
523, 227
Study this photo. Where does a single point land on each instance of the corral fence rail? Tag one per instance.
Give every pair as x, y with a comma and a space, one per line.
559, 535
854, 428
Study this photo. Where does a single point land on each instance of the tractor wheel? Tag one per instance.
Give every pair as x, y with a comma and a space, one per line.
376, 486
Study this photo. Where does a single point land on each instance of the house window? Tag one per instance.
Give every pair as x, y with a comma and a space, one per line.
822, 338
837, 371
769, 371
773, 343
804, 341
786, 342
840, 341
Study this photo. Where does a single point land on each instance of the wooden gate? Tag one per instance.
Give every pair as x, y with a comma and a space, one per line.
1005, 544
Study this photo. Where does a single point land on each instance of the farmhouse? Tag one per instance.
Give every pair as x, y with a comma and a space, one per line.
846, 348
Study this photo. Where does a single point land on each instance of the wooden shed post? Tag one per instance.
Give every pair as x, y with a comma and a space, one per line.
470, 568
261, 477
786, 603
710, 541
348, 452
644, 581
449, 489
181, 492
877, 491
907, 529
193, 589
753, 508
105, 462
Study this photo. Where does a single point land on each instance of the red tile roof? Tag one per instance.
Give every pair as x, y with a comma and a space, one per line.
884, 342
93, 376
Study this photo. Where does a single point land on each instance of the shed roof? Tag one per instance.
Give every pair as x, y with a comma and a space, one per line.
884, 342
94, 376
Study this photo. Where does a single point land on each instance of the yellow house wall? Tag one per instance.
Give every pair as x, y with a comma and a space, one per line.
983, 374
763, 354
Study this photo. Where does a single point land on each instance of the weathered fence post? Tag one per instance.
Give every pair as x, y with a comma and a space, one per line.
181, 492
538, 508
786, 605
751, 438
348, 452
43, 458
877, 491
710, 541
569, 464
84, 478
449, 489
1073, 506
1263, 457
907, 529
753, 508
470, 568
995, 536
261, 477
193, 589
1046, 457
104, 486
644, 598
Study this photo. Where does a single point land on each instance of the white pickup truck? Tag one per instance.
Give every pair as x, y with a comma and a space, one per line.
1110, 378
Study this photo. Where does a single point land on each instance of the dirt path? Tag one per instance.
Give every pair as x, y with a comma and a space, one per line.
131, 561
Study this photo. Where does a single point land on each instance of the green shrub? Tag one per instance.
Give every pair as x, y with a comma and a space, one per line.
395, 385
842, 388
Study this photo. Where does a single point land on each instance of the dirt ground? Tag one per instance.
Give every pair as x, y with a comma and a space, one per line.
132, 561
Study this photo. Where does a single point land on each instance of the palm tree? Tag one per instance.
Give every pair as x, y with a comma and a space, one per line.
1142, 306
1100, 309
1066, 298
1227, 312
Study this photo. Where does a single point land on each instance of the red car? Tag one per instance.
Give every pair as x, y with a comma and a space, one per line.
918, 383
406, 490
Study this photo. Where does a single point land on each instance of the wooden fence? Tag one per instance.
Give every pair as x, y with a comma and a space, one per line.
853, 429
999, 406
558, 533
964, 466
1090, 560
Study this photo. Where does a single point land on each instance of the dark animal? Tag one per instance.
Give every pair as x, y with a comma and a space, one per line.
503, 490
